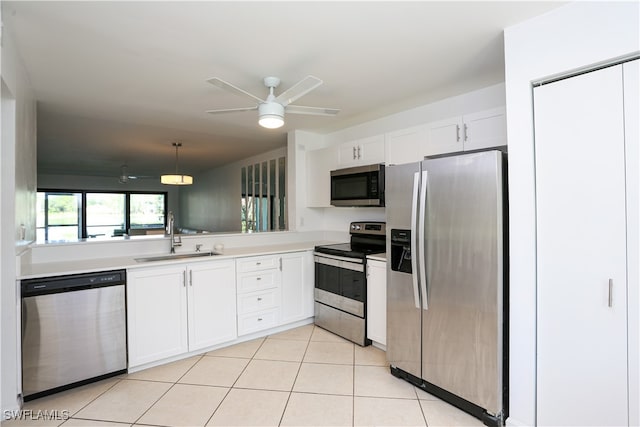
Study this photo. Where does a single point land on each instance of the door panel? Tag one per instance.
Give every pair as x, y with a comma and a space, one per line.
462, 327
580, 196
403, 317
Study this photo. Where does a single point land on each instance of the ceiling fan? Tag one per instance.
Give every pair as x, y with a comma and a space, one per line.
125, 177
272, 109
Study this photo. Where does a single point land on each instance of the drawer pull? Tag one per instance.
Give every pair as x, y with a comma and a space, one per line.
259, 299
258, 263
258, 278
259, 319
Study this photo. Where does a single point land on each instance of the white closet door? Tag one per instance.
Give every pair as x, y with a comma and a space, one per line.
631, 77
581, 248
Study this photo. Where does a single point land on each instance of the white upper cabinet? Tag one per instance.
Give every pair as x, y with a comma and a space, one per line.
363, 151
484, 129
405, 145
443, 136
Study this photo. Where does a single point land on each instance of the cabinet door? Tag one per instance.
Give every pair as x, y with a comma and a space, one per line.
212, 303
371, 150
363, 151
320, 163
581, 266
156, 314
297, 286
377, 301
443, 136
485, 129
404, 146
348, 154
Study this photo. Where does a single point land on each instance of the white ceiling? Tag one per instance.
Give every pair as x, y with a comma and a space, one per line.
118, 82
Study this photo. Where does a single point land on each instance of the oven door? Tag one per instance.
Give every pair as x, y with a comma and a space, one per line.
341, 283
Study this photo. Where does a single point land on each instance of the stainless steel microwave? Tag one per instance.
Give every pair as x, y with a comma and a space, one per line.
358, 186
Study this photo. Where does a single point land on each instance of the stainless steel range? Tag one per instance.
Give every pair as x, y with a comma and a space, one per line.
341, 281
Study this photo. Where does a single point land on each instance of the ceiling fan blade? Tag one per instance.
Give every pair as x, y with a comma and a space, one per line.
314, 111
298, 90
231, 110
231, 88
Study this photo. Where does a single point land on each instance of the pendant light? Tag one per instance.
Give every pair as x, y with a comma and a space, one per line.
176, 179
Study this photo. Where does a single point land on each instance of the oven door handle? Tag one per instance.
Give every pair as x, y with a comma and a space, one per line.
340, 262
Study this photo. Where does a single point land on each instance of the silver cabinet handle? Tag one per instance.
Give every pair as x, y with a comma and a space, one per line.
354, 152
258, 263
258, 278
259, 319
184, 278
259, 299
466, 132
358, 152
610, 292
190, 277
457, 133
280, 263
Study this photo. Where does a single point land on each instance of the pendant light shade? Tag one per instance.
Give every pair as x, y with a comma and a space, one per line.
176, 179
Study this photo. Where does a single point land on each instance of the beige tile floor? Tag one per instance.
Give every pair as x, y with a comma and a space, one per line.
302, 377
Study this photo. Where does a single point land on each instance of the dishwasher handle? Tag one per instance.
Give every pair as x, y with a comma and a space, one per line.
70, 283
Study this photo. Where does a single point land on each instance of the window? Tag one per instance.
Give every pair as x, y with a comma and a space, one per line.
263, 203
58, 216
105, 214
66, 215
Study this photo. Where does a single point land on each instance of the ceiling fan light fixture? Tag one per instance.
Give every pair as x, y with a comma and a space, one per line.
271, 115
176, 179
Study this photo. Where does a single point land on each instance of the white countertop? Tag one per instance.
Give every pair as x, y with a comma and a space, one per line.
378, 257
31, 271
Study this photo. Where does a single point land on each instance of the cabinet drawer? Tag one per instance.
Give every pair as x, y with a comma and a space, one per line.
257, 301
258, 281
257, 263
266, 319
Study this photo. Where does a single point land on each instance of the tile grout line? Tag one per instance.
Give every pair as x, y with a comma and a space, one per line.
296, 378
236, 380
92, 400
167, 390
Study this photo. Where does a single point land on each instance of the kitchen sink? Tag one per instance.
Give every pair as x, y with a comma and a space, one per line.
176, 256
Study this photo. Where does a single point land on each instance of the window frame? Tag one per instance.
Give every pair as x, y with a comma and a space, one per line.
82, 226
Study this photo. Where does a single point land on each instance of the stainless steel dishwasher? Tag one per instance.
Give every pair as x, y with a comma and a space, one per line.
73, 331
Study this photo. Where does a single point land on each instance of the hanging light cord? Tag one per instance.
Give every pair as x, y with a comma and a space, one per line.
177, 144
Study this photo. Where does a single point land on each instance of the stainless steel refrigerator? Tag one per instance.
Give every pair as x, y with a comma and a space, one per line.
446, 279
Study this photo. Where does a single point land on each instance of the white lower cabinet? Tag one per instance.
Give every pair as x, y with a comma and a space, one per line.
274, 290
377, 301
297, 286
179, 308
258, 298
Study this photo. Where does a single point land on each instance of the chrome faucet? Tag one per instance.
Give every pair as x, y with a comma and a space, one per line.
170, 232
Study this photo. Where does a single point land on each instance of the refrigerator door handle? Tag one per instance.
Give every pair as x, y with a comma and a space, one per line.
422, 259
414, 252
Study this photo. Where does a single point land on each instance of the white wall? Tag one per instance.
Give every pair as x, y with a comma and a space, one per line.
568, 38
213, 201
17, 205
302, 144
